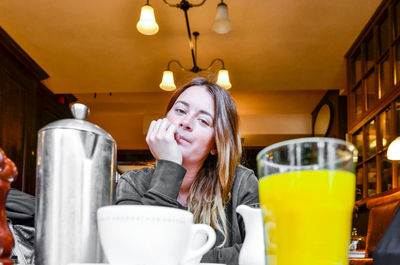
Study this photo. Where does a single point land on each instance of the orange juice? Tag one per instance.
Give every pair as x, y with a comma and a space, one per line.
307, 216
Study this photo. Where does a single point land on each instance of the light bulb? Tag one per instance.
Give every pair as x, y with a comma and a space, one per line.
222, 23
167, 82
147, 24
223, 79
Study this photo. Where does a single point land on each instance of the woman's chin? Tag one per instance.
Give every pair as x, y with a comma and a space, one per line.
190, 157
186, 154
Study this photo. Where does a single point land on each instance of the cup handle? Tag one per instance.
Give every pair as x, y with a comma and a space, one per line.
195, 253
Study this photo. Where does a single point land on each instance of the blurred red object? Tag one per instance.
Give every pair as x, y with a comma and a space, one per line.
61, 99
8, 173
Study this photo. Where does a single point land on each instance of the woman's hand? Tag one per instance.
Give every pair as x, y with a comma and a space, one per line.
161, 141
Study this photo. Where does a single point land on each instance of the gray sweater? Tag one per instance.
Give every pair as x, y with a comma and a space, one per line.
160, 186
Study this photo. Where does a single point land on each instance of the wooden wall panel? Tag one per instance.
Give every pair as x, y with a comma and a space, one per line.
12, 122
26, 105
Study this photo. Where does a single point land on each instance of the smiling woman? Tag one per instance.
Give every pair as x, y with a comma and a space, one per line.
197, 148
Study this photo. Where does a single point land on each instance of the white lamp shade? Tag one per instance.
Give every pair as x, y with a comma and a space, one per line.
167, 82
223, 79
222, 24
147, 24
393, 152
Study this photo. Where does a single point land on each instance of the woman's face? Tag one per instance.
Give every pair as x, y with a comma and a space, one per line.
193, 115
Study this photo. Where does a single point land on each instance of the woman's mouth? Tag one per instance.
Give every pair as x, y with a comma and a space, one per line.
181, 139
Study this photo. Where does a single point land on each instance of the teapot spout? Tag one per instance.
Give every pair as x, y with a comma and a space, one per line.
253, 248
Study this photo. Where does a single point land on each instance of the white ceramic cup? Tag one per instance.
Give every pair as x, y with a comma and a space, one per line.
199, 240
150, 235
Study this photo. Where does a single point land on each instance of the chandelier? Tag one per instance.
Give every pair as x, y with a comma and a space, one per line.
147, 25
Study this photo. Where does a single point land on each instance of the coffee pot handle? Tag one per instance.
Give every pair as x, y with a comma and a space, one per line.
200, 251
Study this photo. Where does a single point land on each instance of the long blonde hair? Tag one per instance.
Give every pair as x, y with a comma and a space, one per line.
210, 191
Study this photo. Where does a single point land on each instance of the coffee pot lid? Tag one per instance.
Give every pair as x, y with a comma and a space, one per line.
79, 112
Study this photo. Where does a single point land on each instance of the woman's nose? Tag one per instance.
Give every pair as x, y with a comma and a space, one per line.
186, 124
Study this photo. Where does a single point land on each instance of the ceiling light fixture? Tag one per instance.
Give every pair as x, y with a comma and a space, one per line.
168, 84
148, 26
222, 24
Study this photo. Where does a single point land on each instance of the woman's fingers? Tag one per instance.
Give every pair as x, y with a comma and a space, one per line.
156, 128
170, 134
161, 141
150, 130
162, 130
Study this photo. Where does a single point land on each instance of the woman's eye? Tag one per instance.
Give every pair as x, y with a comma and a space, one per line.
204, 122
181, 111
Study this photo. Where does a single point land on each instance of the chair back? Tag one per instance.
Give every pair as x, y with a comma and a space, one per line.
382, 210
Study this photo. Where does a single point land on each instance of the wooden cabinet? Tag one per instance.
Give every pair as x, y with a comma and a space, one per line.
26, 105
373, 89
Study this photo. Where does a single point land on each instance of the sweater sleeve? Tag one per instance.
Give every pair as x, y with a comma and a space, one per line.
160, 187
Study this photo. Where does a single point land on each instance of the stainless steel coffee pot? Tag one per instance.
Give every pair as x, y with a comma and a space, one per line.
76, 165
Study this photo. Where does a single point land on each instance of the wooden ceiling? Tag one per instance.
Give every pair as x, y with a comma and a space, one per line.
93, 45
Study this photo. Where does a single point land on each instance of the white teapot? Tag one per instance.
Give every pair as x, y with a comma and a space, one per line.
253, 248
